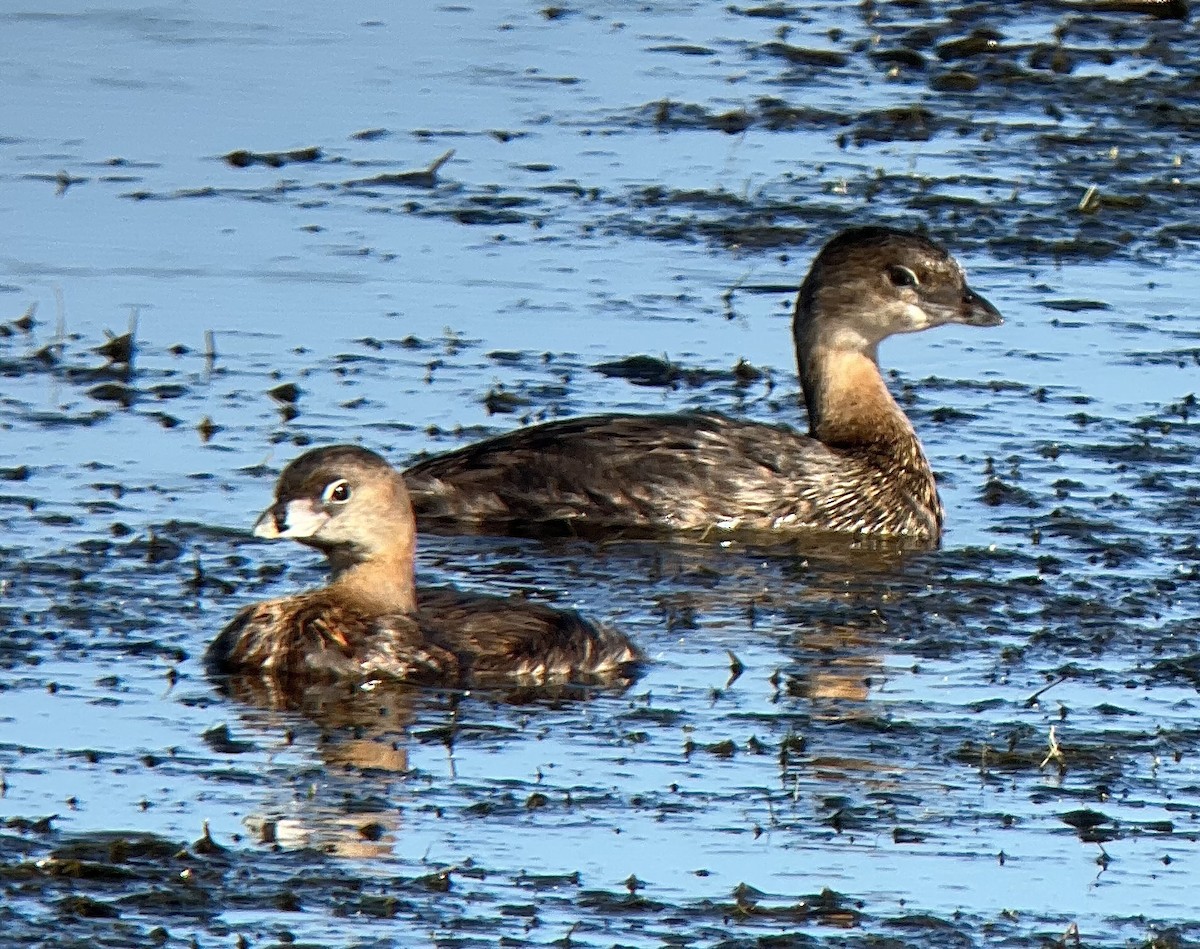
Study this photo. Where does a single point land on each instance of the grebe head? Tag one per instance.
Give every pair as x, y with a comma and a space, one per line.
869, 283
345, 501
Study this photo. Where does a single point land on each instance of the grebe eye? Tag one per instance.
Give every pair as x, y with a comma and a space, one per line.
901, 276
336, 492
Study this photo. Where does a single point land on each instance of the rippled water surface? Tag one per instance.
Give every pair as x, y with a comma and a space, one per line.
990, 744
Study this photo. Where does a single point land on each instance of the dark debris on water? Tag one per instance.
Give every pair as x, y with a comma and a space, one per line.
118, 889
1092, 583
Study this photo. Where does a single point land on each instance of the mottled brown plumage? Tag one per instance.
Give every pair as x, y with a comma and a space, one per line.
860, 468
372, 622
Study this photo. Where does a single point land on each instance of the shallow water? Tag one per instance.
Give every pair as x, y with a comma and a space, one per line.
626, 179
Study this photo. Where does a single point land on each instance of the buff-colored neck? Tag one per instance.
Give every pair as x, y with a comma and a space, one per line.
384, 584
848, 402
376, 573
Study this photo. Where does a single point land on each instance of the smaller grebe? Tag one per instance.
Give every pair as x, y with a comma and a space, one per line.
372, 621
859, 469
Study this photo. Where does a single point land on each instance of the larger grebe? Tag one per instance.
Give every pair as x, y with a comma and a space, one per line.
372, 621
859, 469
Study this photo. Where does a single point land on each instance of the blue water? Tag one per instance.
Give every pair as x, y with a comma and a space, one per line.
303, 278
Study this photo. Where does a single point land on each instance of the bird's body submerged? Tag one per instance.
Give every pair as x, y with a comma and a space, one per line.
452, 639
860, 469
372, 621
627, 472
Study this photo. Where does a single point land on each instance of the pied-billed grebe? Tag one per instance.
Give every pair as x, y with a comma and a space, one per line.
860, 469
372, 621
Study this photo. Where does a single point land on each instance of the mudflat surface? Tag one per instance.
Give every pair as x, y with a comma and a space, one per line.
626, 180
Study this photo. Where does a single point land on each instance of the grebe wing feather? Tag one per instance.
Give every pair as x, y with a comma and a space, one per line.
687, 471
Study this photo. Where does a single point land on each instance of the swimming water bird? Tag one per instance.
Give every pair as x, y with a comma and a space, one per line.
859, 469
371, 621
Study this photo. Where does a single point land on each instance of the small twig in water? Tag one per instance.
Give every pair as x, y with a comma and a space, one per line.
770, 809
60, 335
437, 163
735, 668
1055, 753
727, 296
1032, 700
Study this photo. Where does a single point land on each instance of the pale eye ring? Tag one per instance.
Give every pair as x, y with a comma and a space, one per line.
336, 492
901, 276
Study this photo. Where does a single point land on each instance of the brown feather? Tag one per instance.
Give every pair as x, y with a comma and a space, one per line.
368, 623
860, 468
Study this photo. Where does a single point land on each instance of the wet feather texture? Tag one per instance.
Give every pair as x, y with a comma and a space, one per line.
860, 469
371, 621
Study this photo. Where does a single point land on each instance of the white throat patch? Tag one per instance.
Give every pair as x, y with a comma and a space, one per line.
301, 519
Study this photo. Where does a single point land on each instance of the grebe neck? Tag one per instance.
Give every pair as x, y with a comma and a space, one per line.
849, 404
383, 584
